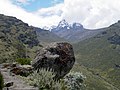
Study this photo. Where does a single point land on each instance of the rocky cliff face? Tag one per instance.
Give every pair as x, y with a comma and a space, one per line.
57, 56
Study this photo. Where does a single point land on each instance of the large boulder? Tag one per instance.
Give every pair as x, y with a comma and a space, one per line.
56, 56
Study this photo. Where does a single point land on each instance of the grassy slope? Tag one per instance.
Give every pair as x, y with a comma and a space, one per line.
93, 81
93, 57
47, 36
15, 34
100, 56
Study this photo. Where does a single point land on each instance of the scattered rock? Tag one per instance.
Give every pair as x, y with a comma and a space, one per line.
17, 69
8, 84
24, 70
9, 65
57, 56
6, 65
117, 66
14, 82
14, 65
115, 39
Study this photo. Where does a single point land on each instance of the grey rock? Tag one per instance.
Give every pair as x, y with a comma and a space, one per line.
9, 84
23, 70
57, 56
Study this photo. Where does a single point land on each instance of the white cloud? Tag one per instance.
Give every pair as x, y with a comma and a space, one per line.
91, 13
7, 8
51, 11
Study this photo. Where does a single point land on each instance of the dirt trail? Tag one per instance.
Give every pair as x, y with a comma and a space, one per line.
18, 84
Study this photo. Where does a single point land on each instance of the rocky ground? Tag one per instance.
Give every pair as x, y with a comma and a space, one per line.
57, 56
14, 82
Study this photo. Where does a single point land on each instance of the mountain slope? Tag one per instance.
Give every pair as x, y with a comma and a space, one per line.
101, 54
73, 32
47, 36
93, 81
19, 40
16, 38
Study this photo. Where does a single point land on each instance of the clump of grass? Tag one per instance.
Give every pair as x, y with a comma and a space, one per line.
44, 80
24, 61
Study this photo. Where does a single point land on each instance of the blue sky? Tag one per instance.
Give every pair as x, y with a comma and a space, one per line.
33, 5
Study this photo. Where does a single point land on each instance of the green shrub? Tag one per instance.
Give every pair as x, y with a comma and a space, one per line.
74, 81
44, 80
1, 82
24, 61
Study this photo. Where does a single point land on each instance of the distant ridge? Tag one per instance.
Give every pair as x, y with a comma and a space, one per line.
73, 32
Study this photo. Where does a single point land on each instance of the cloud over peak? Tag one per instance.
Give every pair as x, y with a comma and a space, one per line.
90, 13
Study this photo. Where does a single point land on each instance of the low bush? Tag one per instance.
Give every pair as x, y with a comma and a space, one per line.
24, 61
43, 79
74, 81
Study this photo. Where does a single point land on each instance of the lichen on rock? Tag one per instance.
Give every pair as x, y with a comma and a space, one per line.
57, 56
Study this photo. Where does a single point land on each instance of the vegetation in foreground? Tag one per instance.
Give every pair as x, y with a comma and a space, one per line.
44, 80
24, 61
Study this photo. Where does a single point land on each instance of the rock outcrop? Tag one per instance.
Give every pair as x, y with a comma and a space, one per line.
22, 70
13, 81
17, 69
57, 56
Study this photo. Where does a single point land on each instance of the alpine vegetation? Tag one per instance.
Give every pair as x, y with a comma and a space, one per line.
44, 80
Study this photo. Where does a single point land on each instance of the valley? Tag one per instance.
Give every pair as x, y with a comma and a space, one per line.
97, 52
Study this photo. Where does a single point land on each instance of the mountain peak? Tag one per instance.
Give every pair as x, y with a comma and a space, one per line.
77, 26
63, 24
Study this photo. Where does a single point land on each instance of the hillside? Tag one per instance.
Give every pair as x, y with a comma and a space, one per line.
16, 38
74, 32
46, 36
101, 54
19, 40
93, 81
97, 57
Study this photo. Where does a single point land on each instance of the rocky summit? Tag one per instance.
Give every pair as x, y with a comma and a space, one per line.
56, 56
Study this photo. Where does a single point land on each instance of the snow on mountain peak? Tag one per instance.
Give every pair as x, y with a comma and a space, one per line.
63, 24
49, 28
77, 25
